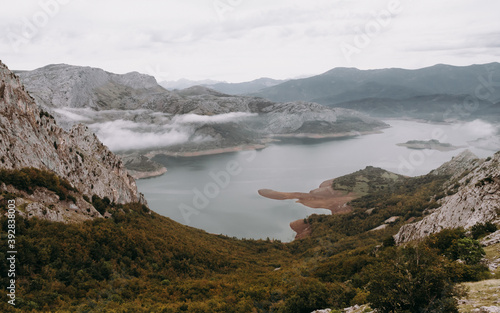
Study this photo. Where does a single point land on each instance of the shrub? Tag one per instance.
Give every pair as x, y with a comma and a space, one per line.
466, 249
481, 229
412, 279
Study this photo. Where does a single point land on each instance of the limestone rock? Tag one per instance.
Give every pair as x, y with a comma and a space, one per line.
476, 201
30, 137
487, 309
491, 239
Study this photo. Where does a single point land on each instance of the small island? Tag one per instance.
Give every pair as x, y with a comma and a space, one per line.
432, 144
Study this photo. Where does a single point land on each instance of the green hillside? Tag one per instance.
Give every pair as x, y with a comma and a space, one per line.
139, 261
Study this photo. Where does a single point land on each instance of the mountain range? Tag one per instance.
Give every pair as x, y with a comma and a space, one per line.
86, 241
224, 87
423, 93
198, 119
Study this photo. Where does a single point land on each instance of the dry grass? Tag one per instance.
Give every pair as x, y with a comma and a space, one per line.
482, 293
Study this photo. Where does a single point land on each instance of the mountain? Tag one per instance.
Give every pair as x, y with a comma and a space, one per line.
63, 86
186, 83
68, 259
381, 89
245, 87
193, 120
223, 87
30, 137
139, 261
438, 107
473, 199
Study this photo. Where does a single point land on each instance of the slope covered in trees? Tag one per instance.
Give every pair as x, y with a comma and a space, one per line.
139, 261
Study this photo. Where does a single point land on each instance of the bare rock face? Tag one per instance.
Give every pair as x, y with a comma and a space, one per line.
31, 138
465, 161
61, 85
476, 201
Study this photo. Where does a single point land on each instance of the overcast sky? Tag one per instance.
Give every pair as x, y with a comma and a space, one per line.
240, 40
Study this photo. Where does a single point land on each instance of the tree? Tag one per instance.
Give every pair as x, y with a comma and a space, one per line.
412, 279
466, 249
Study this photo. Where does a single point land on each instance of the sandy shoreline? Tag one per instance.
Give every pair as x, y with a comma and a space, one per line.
323, 197
208, 151
302, 229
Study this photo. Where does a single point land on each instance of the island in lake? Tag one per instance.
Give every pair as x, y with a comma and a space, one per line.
429, 144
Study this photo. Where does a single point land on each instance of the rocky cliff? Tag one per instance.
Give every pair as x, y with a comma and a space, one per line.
30, 137
473, 197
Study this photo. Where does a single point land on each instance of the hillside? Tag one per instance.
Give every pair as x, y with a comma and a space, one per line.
472, 199
135, 260
421, 93
30, 137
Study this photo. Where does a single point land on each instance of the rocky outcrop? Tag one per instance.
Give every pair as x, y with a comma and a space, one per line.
487, 309
30, 137
477, 199
61, 85
491, 239
465, 161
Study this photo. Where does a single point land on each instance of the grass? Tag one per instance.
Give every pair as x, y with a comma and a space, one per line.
492, 254
481, 293
486, 292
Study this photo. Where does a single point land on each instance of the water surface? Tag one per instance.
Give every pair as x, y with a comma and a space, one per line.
218, 193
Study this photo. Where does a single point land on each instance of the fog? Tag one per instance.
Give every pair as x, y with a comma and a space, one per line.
123, 130
143, 129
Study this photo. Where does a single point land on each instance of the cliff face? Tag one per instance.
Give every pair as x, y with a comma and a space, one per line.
31, 138
477, 199
60, 85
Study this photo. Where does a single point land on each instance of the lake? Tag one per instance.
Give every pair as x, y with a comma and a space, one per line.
218, 193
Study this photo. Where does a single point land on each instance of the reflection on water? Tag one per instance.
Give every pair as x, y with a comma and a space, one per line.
218, 193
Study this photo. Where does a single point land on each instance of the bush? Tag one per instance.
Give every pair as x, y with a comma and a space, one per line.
412, 279
466, 249
28, 178
481, 229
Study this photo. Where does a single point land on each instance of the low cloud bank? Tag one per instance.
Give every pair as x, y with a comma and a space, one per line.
148, 130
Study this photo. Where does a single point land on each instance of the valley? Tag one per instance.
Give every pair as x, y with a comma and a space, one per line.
200, 237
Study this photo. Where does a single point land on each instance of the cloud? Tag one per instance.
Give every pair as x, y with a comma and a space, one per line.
279, 39
120, 135
74, 117
212, 119
479, 129
148, 130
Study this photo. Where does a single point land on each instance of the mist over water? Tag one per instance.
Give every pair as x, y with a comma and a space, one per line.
218, 193
123, 130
